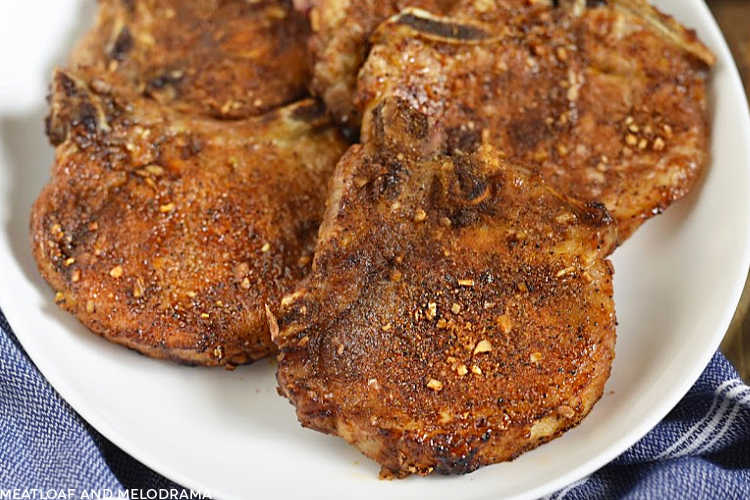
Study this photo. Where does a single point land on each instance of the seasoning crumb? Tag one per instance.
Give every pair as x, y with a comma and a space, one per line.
535, 357
59, 297
168, 207
462, 370
70, 261
505, 323
435, 385
431, 310
483, 346
467, 283
245, 284
420, 215
659, 144
396, 275
219, 352
116, 271
456, 308
139, 288
75, 275
90, 306
204, 315
476, 370
266, 247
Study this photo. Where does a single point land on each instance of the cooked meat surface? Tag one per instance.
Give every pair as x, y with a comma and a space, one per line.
596, 100
339, 45
168, 233
222, 58
459, 311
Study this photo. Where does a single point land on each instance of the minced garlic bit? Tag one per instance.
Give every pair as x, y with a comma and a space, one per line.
116, 271
476, 370
566, 411
462, 370
75, 275
245, 284
166, 208
70, 261
435, 385
266, 247
505, 323
155, 170
535, 357
420, 215
139, 288
431, 310
59, 297
465, 282
191, 294
204, 315
90, 306
483, 346
456, 308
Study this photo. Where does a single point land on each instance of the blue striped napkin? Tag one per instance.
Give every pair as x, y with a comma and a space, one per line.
700, 450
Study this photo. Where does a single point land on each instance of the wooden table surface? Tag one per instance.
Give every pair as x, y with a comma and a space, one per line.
733, 17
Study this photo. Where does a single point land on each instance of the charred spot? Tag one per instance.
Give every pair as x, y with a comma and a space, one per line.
309, 112
443, 29
596, 214
161, 81
67, 84
527, 132
463, 217
446, 464
462, 140
129, 5
472, 185
123, 44
86, 117
595, 3
192, 148
486, 436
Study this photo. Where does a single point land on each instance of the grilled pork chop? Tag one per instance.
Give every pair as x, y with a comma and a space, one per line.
168, 233
604, 107
459, 311
223, 58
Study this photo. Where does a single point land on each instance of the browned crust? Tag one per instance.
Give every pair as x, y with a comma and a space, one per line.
168, 233
230, 59
600, 105
459, 311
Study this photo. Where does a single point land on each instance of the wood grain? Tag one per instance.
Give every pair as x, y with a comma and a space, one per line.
733, 17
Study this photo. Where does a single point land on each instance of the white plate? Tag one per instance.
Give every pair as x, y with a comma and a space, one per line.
228, 433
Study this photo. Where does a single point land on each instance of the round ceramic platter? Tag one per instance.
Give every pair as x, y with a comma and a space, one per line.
229, 435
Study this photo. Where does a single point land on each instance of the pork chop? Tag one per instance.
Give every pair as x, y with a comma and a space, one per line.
597, 100
227, 59
168, 233
459, 311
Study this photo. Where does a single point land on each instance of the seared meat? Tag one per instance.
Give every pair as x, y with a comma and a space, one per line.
598, 102
339, 45
221, 58
168, 233
459, 311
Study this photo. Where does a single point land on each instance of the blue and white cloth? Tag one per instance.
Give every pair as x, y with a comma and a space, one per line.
701, 450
